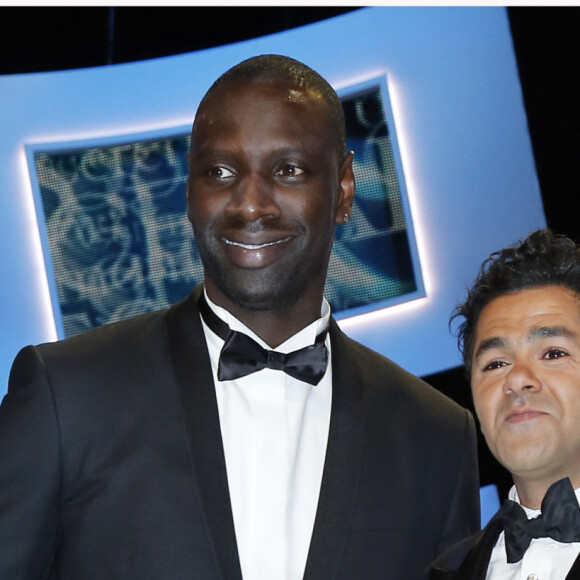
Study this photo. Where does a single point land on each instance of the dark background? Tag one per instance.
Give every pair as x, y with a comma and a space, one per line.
546, 42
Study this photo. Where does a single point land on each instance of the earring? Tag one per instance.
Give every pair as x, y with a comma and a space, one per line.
346, 218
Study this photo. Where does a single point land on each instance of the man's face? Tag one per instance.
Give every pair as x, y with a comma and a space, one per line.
265, 191
526, 382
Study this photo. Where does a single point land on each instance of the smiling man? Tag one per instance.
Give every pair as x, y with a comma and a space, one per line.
240, 433
521, 342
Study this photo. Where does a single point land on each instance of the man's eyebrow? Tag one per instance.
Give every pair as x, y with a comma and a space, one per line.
551, 331
488, 344
201, 152
275, 151
535, 334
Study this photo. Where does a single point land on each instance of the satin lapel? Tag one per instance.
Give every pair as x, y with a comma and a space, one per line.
342, 466
475, 565
193, 372
439, 574
574, 573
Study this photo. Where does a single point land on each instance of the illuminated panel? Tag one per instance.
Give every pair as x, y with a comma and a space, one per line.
112, 215
381, 265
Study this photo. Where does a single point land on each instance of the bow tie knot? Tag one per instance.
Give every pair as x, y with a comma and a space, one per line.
276, 360
242, 355
559, 520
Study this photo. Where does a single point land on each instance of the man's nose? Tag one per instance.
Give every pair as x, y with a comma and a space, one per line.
521, 377
253, 198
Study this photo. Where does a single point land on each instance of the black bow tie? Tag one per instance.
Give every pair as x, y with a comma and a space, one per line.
560, 520
241, 355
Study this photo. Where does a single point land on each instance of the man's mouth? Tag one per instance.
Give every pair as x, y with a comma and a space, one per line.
523, 415
256, 246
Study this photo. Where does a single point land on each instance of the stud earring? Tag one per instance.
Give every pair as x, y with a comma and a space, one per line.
346, 218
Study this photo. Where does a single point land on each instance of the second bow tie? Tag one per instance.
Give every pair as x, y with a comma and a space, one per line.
559, 520
242, 355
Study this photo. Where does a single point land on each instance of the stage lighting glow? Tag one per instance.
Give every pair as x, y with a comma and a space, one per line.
413, 195
37, 254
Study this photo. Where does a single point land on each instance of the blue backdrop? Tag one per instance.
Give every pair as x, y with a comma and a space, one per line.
461, 128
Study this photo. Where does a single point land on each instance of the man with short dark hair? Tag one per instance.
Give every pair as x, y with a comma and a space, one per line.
520, 339
239, 433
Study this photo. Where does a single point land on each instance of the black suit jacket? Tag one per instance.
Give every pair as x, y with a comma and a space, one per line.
469, 559
112, 466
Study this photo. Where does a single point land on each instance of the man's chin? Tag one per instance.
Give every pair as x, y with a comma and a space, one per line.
262, 301
261, 297
276, 288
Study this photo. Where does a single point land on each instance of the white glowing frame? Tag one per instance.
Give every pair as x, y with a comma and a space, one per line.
394, 113
362, 312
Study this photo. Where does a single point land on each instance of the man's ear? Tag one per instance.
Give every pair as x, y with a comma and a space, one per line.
189, 200
188, 189
346, 188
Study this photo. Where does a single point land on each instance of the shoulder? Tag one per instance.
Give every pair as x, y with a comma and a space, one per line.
107, 339
127, 346
130, 334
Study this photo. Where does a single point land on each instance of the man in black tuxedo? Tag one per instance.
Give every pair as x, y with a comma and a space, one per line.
172, 446
521, 344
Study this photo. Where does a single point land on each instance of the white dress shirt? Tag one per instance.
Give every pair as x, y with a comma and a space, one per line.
275, 432
545, 558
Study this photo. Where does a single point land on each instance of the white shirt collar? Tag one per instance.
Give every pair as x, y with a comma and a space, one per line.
304, 337
531, 513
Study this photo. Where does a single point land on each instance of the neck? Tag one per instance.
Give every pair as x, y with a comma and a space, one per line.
531, 495
273, 326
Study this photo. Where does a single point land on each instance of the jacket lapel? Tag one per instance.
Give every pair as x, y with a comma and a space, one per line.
477, 560
201, 421
342, 466
574, 573
469, 559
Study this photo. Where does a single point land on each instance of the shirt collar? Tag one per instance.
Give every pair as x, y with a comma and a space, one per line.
531, 513
302, 338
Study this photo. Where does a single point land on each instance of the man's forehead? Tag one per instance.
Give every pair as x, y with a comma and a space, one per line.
286, 89
531, 303
301, 111
533, 314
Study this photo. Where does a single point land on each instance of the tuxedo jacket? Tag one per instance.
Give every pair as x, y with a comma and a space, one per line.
112, 465
469, 559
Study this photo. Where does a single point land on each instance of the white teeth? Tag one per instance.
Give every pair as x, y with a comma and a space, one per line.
254, 246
